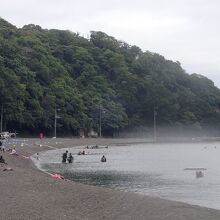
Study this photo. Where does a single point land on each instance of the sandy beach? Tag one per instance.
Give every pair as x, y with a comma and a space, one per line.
27, 193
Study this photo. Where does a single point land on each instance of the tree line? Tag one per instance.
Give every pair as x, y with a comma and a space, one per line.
100, 78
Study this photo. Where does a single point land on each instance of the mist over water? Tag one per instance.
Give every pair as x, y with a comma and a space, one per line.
173, 133
159, 170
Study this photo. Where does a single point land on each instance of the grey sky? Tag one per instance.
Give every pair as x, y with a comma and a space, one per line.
183, 30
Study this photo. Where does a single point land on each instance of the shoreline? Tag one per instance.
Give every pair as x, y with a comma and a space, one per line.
28, 193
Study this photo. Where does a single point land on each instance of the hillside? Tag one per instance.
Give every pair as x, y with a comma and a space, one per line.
41, 70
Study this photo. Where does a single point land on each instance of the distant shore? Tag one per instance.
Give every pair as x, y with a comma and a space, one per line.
27, 193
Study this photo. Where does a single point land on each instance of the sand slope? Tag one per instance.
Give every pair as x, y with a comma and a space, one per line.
29, 194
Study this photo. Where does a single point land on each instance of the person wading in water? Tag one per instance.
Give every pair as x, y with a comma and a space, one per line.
64, 157
70, 158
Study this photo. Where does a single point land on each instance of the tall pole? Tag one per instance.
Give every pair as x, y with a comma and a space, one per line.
100, 121
155, 124
55, 122
1, 117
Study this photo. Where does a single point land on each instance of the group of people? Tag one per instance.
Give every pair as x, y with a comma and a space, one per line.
95, 147
67, 157
82, 152
92, 147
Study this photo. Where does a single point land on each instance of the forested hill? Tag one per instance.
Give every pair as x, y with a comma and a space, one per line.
41, 70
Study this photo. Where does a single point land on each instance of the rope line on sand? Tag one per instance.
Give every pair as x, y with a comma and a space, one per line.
50, 147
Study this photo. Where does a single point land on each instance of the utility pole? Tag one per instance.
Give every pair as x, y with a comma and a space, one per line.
55, 121
155, 124
1, 117
100, 121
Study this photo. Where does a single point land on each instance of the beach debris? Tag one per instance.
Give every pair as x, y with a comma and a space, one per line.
8, 169
24, 157
38, 144
57, 176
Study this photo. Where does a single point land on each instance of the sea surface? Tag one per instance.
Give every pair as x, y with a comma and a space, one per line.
159, 170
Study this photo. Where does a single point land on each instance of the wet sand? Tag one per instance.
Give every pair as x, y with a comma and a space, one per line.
26, 193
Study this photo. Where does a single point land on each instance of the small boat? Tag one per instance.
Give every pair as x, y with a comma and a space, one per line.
196, 168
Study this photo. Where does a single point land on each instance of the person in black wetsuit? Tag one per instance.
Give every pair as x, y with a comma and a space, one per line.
2, 160
64, 157
103, 159
70, 158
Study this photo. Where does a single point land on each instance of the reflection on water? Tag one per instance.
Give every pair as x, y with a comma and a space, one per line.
161, 170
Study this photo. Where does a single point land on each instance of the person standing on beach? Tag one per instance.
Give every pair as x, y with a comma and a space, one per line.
64, 157
3, 145
2, 160
0, 145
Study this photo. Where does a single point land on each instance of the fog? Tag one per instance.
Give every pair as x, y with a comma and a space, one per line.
172, 133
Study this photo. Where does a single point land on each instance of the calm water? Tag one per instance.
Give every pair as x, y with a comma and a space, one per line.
152, 169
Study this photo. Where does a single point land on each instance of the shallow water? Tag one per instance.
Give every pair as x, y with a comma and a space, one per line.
152, 169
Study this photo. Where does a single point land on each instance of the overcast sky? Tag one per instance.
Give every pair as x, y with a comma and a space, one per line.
183, 30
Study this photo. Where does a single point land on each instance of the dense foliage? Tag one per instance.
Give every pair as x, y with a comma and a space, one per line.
87, 79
